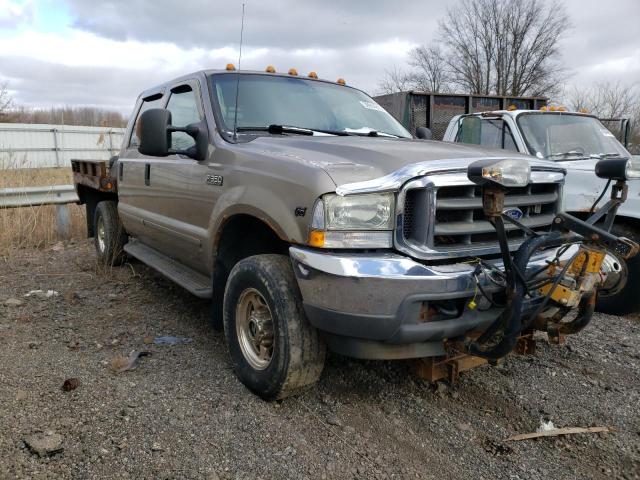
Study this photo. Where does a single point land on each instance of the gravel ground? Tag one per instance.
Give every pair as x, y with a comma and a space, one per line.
182, 413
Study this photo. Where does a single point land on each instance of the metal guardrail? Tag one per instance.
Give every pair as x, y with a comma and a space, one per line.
35, 196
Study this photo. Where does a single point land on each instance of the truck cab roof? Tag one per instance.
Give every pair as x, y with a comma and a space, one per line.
160, 88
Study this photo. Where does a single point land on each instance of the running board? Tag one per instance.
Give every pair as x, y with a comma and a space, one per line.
187, 278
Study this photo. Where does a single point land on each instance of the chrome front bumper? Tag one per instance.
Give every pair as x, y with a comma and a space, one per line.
378, 297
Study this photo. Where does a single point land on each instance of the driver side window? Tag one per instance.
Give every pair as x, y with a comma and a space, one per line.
184, 111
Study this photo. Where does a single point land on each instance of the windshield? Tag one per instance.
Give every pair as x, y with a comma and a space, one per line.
298, 102
566, 136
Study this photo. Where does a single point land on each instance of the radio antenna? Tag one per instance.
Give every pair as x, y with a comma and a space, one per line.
235, 114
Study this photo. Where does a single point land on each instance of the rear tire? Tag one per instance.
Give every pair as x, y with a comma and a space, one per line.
274, 349
109, 235
628, 299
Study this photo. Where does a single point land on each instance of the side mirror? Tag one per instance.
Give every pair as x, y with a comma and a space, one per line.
423, 133
155, 135
621, 169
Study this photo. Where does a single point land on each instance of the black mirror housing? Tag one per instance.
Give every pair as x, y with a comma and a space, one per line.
423, 133
154, 133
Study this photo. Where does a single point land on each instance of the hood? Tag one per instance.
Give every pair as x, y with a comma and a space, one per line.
358, 159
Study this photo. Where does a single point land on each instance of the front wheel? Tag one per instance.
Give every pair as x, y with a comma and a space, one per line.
274, 349
626, 300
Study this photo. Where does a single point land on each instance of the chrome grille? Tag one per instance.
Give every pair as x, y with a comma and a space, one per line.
460, 227
460, 219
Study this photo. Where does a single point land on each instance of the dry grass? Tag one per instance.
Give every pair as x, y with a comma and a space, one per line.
35, 177
35, 227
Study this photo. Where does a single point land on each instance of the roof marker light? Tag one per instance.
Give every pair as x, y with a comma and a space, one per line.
270, 69
511, 108
231, 66
313, 75
341, 81
543, 108
293, 71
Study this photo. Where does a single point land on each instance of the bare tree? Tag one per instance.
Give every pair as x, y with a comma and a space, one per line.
430, 69
395, 80
5, 99
607, 99
505, 47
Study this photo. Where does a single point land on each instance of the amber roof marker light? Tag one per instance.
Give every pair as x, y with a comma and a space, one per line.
341, 81
313, 75
270, 69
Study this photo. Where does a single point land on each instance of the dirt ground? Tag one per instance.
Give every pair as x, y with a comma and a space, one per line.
182, 413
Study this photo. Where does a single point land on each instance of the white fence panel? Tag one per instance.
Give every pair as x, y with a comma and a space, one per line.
35, 145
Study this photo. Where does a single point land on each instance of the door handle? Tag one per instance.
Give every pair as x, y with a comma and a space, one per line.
147, 174
120, 171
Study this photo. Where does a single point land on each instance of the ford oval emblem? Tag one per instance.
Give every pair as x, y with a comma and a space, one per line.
514, 213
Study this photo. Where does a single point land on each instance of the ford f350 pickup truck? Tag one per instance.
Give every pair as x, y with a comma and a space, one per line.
312, 218
576, 141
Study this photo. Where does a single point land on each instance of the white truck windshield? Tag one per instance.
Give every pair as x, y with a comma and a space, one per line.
266, 100
565, 136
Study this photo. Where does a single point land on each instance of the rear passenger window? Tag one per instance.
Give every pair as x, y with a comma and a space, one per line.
184, 111
152, 102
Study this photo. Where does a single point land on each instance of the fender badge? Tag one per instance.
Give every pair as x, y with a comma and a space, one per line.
513, 213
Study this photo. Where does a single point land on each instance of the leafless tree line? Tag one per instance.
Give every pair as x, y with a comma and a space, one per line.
91, 116
607, 99
503, 47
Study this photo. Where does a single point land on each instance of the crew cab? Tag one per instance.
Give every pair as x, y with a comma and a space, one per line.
577, 141
312, 219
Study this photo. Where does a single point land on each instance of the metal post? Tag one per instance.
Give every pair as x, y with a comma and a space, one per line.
63, 221
55, 146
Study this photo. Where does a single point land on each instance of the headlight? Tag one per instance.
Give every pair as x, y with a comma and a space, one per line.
353, 221
508, 172
633, 168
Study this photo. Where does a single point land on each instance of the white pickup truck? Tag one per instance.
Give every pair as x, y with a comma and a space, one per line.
576, 141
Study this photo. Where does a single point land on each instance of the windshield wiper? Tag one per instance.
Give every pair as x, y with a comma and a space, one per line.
605, 155
275, 129
371, 133
567, 154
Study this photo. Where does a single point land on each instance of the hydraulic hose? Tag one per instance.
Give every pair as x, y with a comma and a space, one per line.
501, 336
586, 308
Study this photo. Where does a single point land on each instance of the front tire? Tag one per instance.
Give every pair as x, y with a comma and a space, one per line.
628, 299
109, 235
274, 349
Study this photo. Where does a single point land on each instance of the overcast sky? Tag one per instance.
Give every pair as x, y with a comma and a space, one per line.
80, 52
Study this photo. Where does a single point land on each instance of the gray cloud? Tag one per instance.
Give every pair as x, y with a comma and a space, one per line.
274, 23
330, 37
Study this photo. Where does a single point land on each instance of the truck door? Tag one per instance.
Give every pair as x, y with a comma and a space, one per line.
174, 218
133, 197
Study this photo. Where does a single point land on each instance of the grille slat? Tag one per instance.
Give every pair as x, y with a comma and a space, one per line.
513, 201
483, 226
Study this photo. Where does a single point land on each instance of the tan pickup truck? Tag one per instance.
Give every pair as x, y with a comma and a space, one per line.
313, 219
